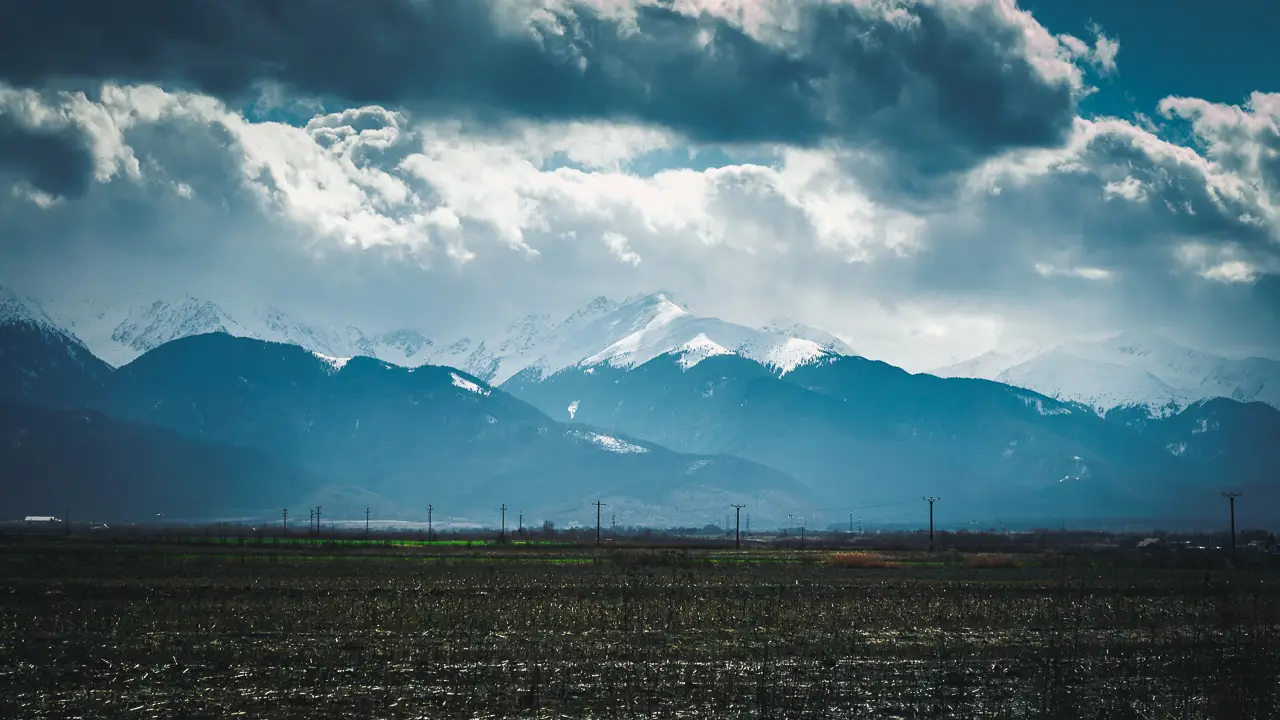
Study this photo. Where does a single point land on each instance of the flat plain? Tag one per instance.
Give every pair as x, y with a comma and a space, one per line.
131, 629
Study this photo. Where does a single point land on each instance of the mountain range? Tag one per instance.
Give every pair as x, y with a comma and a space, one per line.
1131, 369
665, 415
626, 333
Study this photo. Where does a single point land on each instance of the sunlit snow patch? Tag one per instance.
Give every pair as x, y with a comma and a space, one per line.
696, 465
573, 409
465, 384
612, 444
698, 349
335, 363
785, 355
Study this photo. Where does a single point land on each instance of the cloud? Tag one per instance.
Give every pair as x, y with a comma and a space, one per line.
621, 247
1086, 273
932, 87
917, 179
1130, 188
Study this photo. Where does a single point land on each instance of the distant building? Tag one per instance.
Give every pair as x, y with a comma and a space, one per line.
40, 519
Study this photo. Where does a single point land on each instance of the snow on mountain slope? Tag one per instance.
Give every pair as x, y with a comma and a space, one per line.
643, 327
277, 326
990, 364
1198, 374
624, 334
403, 347
538, 344
699, 349
160, 322
1097, 384
1132, 368
118, 335
16, 310
794, 329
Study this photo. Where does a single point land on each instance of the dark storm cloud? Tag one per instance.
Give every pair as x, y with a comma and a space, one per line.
931, 97
57, 162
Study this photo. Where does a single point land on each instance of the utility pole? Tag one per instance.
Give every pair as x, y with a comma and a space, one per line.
311, 521
429, 533
284, 520
1231, 499
850, 522
613, 523
502, 533
317, 521
366, 521
522, 522
737, 526
598, 505
931, 500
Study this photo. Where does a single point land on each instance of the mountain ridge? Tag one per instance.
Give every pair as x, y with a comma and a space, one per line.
630, 331
1128, 369
408, 434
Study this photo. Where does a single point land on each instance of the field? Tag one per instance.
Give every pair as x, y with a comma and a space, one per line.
126, 629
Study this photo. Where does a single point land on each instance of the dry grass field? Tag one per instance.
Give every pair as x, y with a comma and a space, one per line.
172, 630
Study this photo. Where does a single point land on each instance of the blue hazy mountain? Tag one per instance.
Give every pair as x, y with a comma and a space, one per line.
429, 434
685, 429
105, 469
863, 433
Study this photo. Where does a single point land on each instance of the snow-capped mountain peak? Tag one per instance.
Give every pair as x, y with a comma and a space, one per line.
160, 322
826, 339
16, 310
698, 349
783, 354
1097, 384
404, 347
1132, 368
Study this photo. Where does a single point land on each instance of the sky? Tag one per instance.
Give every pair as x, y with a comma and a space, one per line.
927, 179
